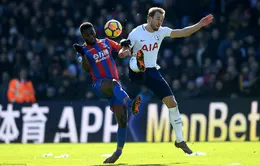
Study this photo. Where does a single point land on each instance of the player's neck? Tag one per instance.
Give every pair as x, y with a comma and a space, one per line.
89, 44
149, 28
85, 43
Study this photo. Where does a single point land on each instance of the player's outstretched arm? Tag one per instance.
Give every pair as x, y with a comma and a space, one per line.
121, 48
187, 31
82, 58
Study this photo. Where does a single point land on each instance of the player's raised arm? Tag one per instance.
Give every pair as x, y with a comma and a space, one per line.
82, 59
122, 51
187, 31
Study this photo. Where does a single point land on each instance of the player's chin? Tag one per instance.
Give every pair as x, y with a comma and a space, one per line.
156, 28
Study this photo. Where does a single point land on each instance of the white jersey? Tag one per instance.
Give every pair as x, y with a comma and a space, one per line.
148, 42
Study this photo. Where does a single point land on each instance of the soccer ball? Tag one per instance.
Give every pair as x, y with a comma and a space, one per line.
113, 28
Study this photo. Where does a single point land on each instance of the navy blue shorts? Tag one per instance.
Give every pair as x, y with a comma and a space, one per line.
153, 80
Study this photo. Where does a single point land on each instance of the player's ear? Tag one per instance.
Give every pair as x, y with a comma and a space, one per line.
83, 36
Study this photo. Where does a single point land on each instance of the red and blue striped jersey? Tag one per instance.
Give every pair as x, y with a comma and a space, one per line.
99, 55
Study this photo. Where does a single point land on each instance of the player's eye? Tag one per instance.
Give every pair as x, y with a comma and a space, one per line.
159, 19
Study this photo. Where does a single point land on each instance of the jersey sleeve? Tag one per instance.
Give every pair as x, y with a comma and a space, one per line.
114, 45
132, 39
166, 31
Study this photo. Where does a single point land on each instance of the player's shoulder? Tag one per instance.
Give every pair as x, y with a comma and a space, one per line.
106, 39
138, 29
103, 40
164, 28
84, 44
110, 41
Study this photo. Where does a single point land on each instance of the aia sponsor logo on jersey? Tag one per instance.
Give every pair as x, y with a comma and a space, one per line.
150, 47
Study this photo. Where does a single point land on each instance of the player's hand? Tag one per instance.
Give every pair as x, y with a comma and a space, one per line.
206, 20
126, 53
79, 49
125, 43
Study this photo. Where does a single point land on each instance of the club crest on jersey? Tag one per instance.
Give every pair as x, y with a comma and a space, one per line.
157, 37
150, 47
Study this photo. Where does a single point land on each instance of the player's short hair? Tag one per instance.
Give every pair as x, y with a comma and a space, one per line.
153, 10
85, 25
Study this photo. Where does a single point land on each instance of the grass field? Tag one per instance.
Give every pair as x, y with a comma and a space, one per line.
142, 154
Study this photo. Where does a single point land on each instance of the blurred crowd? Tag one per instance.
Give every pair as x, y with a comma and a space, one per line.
221, 60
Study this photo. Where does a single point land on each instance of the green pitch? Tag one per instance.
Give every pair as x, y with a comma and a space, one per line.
142, 154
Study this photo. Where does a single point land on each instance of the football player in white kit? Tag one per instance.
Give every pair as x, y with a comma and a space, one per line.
144, 41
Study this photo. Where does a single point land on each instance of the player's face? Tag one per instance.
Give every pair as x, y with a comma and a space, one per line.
156, 21
89, 35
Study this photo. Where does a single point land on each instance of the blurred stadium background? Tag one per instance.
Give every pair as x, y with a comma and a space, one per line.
214, 73
219, 61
